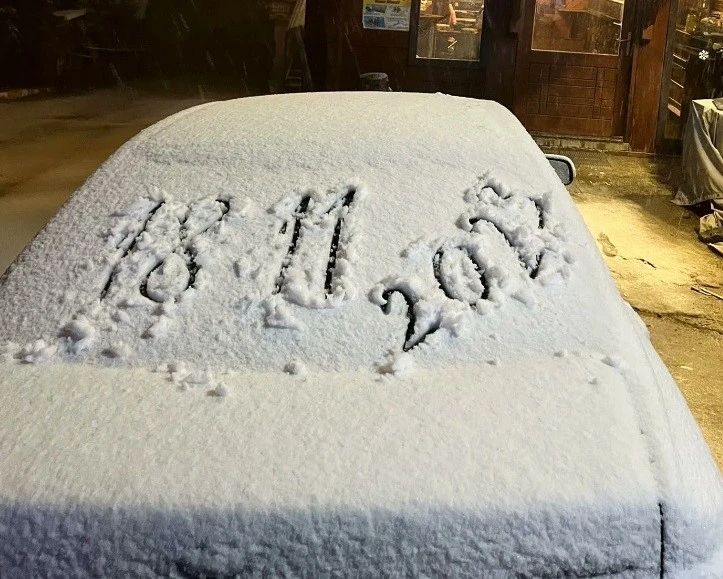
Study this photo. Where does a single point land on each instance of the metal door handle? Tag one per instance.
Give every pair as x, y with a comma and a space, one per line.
628, 41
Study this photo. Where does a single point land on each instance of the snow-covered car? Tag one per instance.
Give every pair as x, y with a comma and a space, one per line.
338, 334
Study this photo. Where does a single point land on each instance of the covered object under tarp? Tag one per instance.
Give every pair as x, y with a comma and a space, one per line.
702, 181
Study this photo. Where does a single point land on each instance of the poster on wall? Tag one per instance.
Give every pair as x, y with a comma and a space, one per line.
386, 14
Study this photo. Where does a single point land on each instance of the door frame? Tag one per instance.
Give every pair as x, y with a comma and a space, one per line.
621, 64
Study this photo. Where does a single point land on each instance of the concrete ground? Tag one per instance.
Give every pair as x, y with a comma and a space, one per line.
49, 147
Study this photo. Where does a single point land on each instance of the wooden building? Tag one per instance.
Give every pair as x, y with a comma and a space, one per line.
605, 69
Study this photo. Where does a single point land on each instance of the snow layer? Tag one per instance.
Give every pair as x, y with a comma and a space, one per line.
264, 247
475, 393
427, 475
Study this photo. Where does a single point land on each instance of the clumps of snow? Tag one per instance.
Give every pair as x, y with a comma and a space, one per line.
460, 276
400, 365
524, 221
79, 333
413, 287
285, 208
36, 352
159, 247
187, 377
177, 371
161, 250
452, 318
128, 224
159, 327
279, 314
301, 255
219, 391
117, 351
320, 247
550, 270
296, 368
154, 237
205, 251
615, 360
120, 316
594, 381
189, 296
511, 240
202, 215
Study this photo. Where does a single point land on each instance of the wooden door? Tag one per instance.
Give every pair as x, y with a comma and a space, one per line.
573, 66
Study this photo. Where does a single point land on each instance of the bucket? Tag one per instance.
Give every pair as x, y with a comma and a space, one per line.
378, 81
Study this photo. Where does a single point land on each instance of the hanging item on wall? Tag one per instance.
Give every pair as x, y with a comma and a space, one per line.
386, 14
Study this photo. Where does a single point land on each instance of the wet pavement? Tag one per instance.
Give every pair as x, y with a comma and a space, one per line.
49, 147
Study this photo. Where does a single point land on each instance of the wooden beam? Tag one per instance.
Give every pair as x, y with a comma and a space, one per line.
647, 81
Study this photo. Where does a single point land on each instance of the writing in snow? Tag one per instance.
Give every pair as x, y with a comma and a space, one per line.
159, 247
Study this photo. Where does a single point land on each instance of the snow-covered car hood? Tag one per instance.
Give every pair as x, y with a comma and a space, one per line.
344, 333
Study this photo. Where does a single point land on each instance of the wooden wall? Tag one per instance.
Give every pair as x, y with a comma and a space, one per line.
569, 99
499, 45
340, 49
350, 50
646, 84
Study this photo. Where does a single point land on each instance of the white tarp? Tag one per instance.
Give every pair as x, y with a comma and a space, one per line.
703, 167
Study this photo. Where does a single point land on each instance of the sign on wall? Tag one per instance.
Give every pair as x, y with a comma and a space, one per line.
280, 9
386, 14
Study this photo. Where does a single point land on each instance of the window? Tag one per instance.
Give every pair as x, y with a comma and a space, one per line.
450, 30
583, 26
